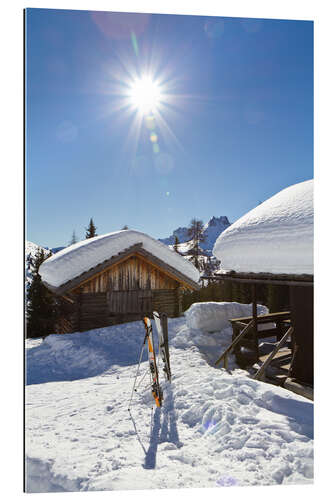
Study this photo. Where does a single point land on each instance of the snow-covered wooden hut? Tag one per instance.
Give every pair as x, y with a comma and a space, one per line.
273, 244
117, 277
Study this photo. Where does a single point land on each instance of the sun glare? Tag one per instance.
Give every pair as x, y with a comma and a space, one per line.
145, 95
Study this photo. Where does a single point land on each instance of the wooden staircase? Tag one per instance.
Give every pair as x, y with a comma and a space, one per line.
268, 361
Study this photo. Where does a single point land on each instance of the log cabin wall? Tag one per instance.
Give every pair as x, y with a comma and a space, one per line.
166, 301
67, 322
92, 311
92, 301
132, 274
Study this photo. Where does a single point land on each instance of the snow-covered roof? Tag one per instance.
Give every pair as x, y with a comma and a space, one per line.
275, 237
79, 258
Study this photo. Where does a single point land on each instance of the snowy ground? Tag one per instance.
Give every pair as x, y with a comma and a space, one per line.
215, 428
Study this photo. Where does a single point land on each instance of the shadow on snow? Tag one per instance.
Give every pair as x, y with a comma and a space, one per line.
163, 429
82, 355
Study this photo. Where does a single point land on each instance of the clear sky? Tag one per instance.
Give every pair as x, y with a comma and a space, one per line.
232, 126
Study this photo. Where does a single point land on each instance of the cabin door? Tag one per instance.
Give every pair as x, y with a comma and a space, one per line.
130, 301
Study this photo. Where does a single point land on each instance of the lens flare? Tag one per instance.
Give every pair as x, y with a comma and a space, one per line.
153, 137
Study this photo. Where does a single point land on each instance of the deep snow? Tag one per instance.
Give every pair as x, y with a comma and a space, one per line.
215, 428
274, 237
82, 256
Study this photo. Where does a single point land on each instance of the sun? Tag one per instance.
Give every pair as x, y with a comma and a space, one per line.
145, 95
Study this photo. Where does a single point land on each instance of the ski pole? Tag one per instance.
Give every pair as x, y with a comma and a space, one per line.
137, 371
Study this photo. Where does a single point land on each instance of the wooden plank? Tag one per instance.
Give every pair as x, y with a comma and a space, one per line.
298, 388
235, 342
279, 356
267, 279
260, 373
239, 324
265, 318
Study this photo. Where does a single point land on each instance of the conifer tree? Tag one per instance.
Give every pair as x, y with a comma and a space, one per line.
176, 244
73, 239
195, 233
91, 230
41, 304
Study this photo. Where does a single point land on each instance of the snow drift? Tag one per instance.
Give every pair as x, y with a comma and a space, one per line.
80, 355
274, 237
215, 316
82, 256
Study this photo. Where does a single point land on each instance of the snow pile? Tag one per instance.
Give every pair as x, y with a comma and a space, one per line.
82, 256
215, 316
215, 429
83, 354
274, 237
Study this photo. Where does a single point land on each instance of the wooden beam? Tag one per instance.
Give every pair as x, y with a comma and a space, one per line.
255, 318
239, 324
268, 281
235, 342
290, 280
71, 301
265, 318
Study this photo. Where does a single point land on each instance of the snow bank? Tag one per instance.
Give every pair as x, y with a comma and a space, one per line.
215, 316
275, 237
82, 256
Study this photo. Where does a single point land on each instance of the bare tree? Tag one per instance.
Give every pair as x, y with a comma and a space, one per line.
195, 233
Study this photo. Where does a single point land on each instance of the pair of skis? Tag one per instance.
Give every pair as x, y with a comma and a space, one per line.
163, 351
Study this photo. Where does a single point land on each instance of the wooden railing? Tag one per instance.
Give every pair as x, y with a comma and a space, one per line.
224, 355
246, 324
260, 375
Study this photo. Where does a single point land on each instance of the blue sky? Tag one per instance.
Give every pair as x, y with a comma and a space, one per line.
236, 126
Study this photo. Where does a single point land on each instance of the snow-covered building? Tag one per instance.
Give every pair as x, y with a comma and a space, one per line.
115, 277
273, 244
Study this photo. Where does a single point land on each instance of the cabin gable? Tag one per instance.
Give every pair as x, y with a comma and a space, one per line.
133, 273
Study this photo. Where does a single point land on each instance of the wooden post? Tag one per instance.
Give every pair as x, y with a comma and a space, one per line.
255, 318
79, 301
235, 342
